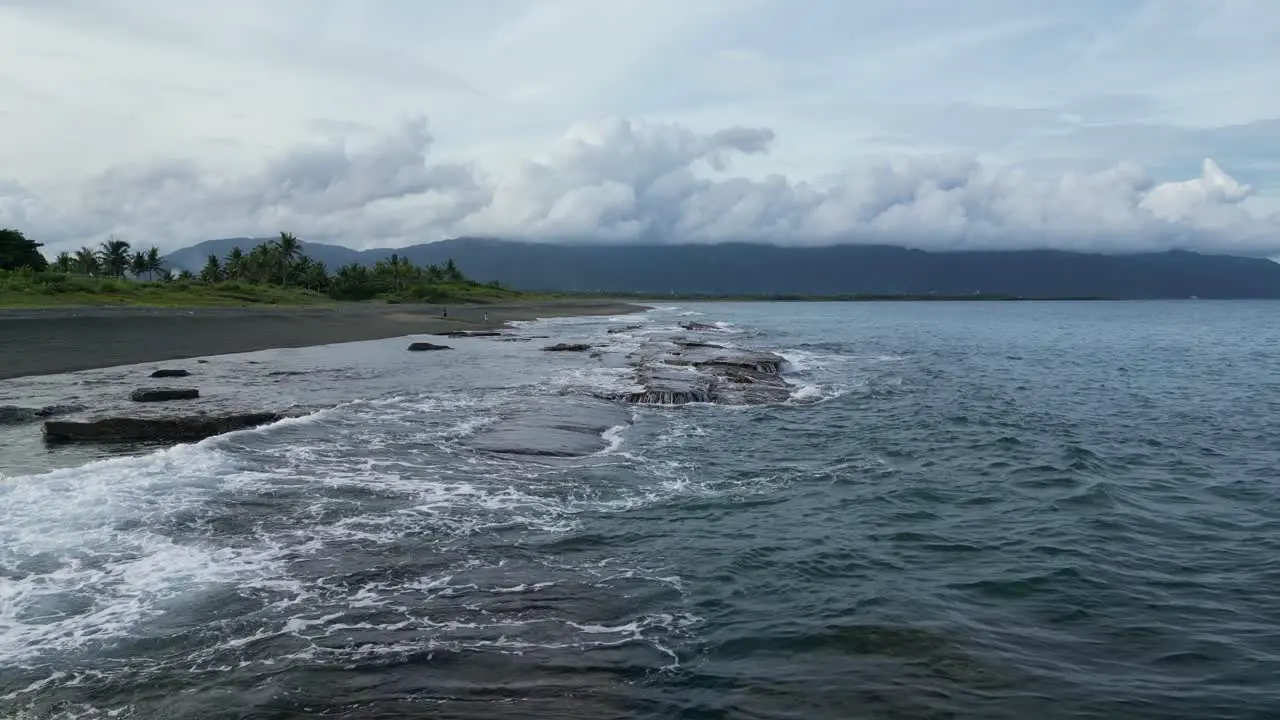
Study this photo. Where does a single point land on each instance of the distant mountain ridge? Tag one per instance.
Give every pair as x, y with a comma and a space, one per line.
754, 269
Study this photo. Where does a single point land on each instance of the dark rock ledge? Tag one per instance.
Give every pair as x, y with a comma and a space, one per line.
178, 428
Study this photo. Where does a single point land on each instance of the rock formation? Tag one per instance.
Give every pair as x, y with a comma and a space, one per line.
186, 428
170, 373
15, 414
163, 394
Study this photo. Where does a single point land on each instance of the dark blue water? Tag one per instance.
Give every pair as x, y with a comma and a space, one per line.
967, 510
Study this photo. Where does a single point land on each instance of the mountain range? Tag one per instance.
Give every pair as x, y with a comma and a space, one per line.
754, 269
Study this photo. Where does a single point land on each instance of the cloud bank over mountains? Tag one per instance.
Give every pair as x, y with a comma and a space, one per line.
984, 123
614, 180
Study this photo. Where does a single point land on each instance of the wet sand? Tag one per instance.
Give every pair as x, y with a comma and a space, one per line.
57, 340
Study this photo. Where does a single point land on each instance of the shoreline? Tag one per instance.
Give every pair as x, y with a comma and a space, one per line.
52, 341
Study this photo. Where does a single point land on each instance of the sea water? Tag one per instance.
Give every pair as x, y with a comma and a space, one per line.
986, 510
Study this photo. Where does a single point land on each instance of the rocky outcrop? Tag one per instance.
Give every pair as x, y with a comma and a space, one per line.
568, 347
657, 385
625, 329
426, 346
171, 373
698, 326
550, 428
163, 394
188, 428
15, 414
682, 372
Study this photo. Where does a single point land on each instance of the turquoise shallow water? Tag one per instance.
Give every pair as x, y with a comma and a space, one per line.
966, 510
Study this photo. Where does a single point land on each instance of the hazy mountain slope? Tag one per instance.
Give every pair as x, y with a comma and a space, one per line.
739, 269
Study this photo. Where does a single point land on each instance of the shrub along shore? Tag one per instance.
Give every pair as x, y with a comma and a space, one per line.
271, 273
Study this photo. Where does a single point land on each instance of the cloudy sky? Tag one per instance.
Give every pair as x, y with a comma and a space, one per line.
1090, 124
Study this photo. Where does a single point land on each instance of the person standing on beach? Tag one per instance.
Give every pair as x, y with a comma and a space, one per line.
486, 316
444, 312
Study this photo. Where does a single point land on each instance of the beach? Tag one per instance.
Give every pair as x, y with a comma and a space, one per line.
47, 341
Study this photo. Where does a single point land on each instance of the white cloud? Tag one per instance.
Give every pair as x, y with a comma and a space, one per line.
993, 123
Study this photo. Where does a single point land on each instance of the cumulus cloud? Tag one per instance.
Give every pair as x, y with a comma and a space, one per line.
614, 180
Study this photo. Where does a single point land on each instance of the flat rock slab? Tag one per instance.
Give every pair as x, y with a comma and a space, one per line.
559, 427
170, 373
163, 394
187, 428
660, 385
568, 347
469, 333
425, 346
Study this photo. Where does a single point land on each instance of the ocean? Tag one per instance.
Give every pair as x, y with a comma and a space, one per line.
959, 510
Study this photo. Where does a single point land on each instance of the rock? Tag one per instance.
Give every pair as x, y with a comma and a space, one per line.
698, 326
163, 394
698, 344
170, 373
14, 414
680, 372
670, 386
469, 333
567, 347
628, 328
553, 428
424, 346
202, 362
161, 429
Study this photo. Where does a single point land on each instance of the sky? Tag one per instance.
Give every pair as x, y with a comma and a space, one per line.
1094, 125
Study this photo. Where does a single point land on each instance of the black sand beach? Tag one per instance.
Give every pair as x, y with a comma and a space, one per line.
58, 340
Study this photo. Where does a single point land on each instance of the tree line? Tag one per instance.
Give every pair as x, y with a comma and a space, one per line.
280, 262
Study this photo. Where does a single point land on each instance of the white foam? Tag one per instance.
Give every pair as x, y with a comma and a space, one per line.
614, 437
808, 393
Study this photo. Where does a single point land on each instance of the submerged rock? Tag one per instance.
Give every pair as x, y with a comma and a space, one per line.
159, 429
163, 394
698, 326
628, 328
568, 347
170, 373
553, 428
15, 414
424, 346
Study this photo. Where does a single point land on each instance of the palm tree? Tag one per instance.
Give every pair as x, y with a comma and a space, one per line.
64, 262
452, 273
155, 263
114, 256
402, 270
138, 264
87, 261
261, 263
212, 271
234, 266
288, 248
316, 276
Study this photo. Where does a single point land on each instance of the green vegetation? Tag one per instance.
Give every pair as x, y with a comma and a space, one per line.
16, 251
274, 273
